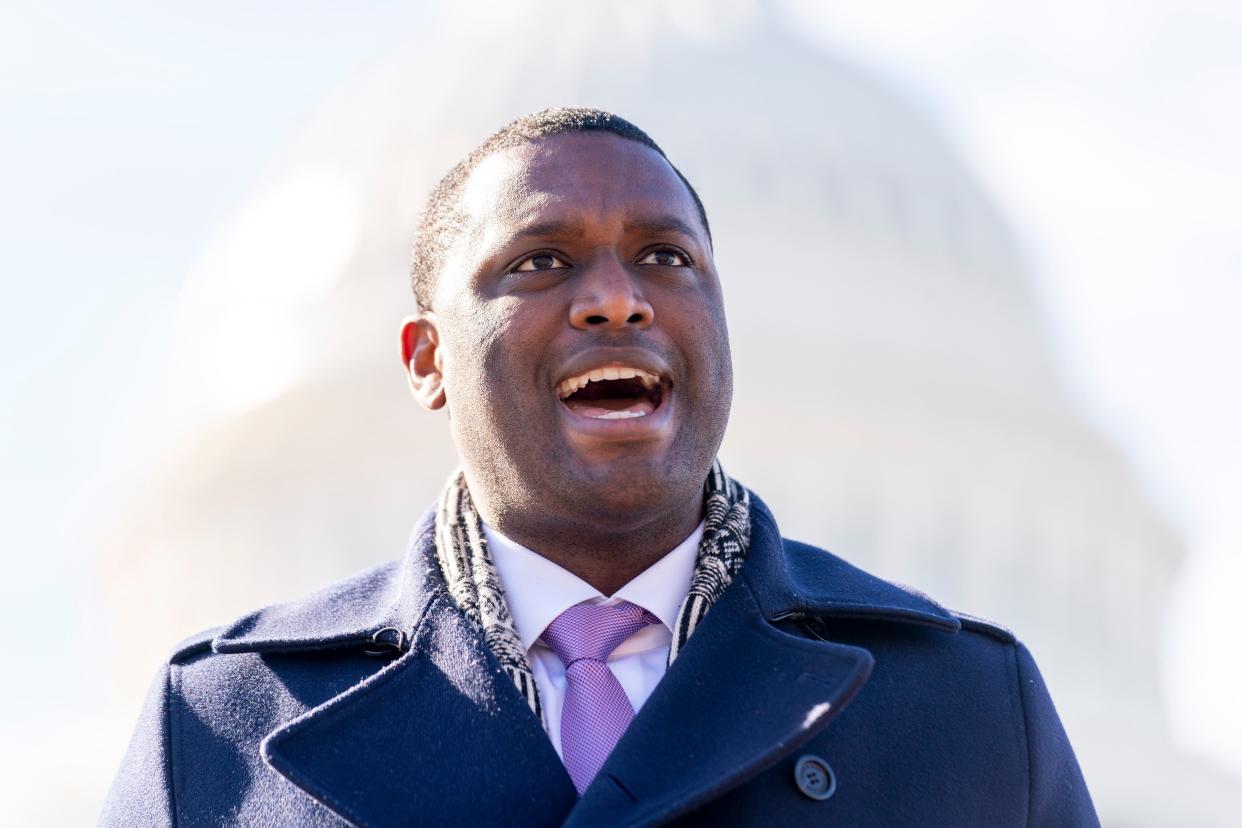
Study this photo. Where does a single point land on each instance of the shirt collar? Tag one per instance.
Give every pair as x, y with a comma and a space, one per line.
537, 590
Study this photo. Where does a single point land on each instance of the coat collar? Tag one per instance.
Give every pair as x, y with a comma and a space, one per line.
801, 581
378, 605
442, 734
791, 580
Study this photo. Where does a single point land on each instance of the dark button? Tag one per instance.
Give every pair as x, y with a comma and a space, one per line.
815, 777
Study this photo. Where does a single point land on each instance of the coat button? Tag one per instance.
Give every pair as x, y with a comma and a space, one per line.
814, 777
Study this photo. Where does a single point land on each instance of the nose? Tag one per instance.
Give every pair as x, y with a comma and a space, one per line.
609, 297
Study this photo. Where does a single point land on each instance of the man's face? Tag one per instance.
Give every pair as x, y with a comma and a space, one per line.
580, 331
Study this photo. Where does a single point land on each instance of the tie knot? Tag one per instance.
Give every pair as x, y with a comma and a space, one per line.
594, 630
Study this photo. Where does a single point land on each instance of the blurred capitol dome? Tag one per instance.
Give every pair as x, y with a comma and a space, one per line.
896, 396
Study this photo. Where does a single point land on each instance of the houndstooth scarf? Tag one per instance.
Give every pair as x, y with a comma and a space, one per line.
467, 566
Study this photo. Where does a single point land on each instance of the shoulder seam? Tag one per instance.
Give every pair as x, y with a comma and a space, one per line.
1026, 734
173, 742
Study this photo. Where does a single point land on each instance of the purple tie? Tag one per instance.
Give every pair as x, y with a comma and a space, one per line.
596, 710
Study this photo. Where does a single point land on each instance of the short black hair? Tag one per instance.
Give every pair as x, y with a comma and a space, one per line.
441, 220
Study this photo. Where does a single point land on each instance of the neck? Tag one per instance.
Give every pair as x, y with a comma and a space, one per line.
607, 554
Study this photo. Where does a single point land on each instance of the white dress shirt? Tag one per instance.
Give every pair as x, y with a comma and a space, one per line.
538, 590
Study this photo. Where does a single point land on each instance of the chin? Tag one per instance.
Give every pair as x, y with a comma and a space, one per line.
631, 482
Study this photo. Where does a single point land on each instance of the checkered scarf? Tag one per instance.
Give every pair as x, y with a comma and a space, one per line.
466, 563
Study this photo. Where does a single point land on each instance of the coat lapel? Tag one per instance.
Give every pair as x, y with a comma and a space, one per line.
743, 694
740, 696
438, 737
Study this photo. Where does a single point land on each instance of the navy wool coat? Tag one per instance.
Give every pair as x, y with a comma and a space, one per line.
811, 694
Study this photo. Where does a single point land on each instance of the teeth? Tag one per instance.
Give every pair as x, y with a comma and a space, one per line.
620, 415
612, 372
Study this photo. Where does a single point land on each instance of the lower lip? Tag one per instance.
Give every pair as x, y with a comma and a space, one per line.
628, 429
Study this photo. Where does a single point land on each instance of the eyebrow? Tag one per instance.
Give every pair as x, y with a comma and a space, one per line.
543, 229
661, 224
563, 229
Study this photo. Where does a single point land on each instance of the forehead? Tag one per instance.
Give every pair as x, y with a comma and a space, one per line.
573, 177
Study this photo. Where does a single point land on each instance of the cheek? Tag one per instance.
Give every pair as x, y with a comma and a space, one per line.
467, 341
706, 338
490, 357
714, 369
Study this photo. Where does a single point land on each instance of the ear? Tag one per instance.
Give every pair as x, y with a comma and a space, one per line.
424, 366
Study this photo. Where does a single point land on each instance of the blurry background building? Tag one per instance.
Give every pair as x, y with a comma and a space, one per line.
898, 397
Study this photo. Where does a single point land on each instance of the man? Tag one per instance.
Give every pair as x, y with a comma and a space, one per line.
595, 625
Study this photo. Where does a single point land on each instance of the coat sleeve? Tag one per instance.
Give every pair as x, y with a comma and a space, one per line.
142, 793
1058, 792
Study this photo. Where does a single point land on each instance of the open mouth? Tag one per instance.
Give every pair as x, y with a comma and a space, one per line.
617, 392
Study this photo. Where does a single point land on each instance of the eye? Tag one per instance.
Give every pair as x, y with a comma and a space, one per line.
539, 261
666, 257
